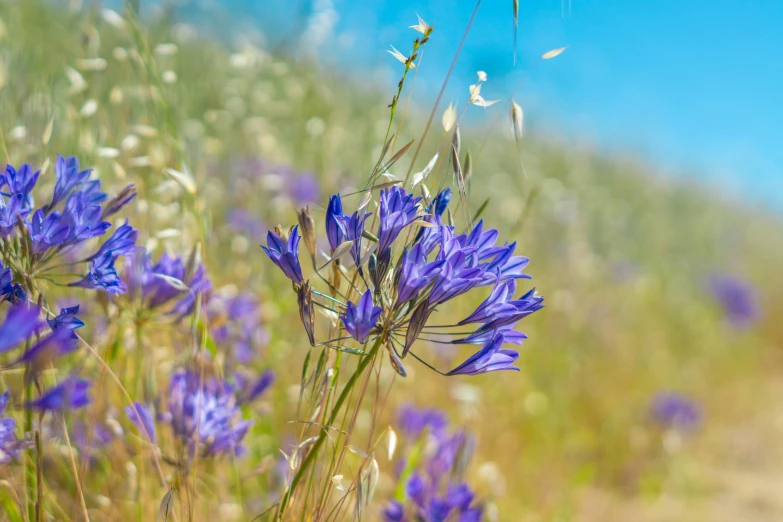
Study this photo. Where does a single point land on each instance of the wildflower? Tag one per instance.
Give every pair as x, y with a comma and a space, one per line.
20, 182
10, 445
203, 414
121, 243
334, 212
10, 213
67, 320
56, 344
499, 309
249, 389
413, 421
47, 231
439, 204
676, 411
141, 416
360, 319
68, 177
103, 275
737, 298
353, 227
434, 490
285, 254
398, 209
10, 291
72, 393
416, 273
20, 323
490, 358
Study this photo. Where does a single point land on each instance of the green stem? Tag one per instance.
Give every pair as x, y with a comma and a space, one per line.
360, 368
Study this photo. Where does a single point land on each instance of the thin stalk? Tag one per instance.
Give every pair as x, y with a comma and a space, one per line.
363, 363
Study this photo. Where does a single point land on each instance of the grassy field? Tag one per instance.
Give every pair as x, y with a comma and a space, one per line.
221, 143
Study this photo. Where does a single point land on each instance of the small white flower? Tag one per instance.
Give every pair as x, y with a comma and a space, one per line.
401, 57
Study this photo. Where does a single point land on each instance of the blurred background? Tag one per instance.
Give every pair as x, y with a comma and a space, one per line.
646, 190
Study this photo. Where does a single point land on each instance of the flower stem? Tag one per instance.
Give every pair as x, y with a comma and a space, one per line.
311, 456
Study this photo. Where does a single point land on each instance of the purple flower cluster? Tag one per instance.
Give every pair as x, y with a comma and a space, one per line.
203, 412
672, 410
737, 297
171, 284
433, 266
434, 489
75, 214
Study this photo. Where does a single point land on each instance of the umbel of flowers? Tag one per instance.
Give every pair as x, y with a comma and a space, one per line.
402, 271
46, 241
430, 478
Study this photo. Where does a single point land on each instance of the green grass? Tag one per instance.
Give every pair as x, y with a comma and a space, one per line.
570, 428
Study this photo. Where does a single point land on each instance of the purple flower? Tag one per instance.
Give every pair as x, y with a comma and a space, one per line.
359, 320
398, 209
205, 413
492, 357
144, 420
250, 390
285, 254
121, 243
20, 182
20, 323
69, 178
416, 273
10, 212
47, 231
497, 305
198, 284
413, 421
353, 227
439, 204
72, 393
394, 512
676, 411
67, 320
334, 212
103, 276
10, 291
737, 297
58, 343
522, 307
83, 214
482, 336
304, 189
10, 445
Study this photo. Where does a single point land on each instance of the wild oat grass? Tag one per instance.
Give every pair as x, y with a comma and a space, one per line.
223, 144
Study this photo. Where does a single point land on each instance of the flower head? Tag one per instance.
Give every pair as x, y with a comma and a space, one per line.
203, 414
20, 182
360, 319
353, 227
285, 254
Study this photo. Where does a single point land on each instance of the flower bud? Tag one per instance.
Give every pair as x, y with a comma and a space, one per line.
307, 224
306, 312
416, 325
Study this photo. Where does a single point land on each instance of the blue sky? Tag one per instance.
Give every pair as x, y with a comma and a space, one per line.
694, 87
